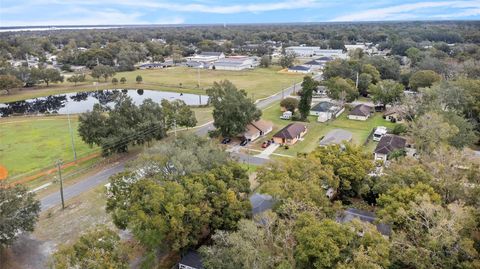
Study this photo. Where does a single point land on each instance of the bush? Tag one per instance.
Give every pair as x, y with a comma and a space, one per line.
399, 129
289, 103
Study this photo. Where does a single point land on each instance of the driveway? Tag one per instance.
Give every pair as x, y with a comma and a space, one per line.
265, 154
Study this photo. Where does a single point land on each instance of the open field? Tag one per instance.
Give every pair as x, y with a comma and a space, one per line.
259, 83
359, 129
32, 143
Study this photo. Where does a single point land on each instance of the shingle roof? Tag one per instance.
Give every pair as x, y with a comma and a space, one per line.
313, 62
261, 203
291, 131
390, 143
322, 106
299, 68
192, 259
325, 58
361, 110
365, 216
262, 125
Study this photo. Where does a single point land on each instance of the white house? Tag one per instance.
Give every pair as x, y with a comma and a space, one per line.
206, 57
326, 111
236, 63
360, 112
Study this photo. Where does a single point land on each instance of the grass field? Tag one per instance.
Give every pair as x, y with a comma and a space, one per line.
359, 129
259, 83
31, 143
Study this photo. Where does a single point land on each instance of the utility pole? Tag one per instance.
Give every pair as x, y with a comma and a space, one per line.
59, 167
71, 137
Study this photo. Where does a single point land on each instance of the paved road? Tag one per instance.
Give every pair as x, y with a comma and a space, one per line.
102, 177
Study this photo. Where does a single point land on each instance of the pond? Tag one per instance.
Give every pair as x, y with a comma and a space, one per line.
81, 102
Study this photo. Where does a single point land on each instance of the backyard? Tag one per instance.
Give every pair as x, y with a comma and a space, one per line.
258, 83
360, 129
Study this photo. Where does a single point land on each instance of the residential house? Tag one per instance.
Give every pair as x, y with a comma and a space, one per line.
236, 63
290, 134
394, 114
360, 112
388, 144
326, 111
365, 216
191, 260
257, 129
208, 57
300, 69
324, 59
261, 203
314, 64
336, 137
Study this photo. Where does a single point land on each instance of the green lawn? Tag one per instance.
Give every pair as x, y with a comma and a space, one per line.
359, 129
31, 143
259, 83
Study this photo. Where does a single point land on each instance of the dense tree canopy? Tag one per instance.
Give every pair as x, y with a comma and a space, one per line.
232, 109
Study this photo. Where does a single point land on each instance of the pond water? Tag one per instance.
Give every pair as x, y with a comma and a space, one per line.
81, 102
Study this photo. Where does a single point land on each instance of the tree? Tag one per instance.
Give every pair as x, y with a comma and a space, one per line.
423, 78
289, 104
252, 246
123, 80
389, 68
433, 236
8, 82
431, 130
414, 54
386, 92
104, 71
98, 248
466, 131
364, 81
308, 86
287, 60
351, 166
18, 212
76, 78
372, 71
175, 214
265, 61
304, 181
178, 113
139, 79
114, 81
340, 68
328, 244
49, 75
232, 109
341, 89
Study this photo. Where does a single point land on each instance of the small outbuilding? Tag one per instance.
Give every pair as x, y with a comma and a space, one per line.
360, 112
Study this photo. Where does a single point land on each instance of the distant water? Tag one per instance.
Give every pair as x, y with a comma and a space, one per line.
81, 102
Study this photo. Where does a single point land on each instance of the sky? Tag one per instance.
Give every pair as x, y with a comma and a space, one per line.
123, 12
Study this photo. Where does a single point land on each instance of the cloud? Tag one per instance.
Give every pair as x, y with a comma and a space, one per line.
406, 11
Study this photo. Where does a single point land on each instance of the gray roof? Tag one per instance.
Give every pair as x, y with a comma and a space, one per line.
365, 216
299, 68
325, 59
335, 137
361, 110
261, 203
313, 62
192, 259
291, 131
211, 53
390, 143
323, 106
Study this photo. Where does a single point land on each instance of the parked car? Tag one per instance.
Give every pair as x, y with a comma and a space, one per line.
226, 140
266, 144
244, 142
